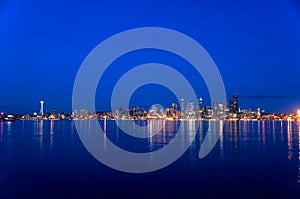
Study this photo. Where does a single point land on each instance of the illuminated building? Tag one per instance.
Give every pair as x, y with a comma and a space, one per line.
42, 108
207, 112
54, 112
182, 108
120, 113
54, 115
153, 111
215, 109
2, 116
172, 112
234, 106
190, 110
258, 113
139, 112
83, 114
169, 112
199, 108
174, 107
223, 109
162, 113
75, 114
200, 103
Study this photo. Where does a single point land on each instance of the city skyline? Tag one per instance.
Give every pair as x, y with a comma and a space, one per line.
181, 111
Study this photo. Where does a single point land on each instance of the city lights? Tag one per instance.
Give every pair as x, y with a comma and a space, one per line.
181, 111
298, 115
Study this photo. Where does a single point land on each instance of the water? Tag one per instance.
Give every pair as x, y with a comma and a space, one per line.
252, 158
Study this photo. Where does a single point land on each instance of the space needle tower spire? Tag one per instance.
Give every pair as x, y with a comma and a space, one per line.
42, 108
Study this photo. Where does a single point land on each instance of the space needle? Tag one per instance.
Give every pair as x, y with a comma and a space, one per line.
42, 108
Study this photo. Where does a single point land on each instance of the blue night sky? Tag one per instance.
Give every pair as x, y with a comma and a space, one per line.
255, 44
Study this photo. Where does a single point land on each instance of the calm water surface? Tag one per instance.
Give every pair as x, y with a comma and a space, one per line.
252, 158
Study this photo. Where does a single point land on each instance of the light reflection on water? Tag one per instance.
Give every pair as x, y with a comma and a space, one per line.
8, 136
298, 152
104, 133
273, 132
51, 133
290, 140
38, 126
263, 132
280, 137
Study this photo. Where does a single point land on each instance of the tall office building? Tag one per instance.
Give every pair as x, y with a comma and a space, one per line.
169, 112
207, 112
234, 107
190, 110
234, 104
182, 108
199, 108
215, 109
222, 109
153, 111
174, 106
54, 112
174, 109
200, 103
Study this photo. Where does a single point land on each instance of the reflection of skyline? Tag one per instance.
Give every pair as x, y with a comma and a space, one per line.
263, 133
51, 133
233, 129
235, 137
39, 131
298, 153
104, 133
238, 133
290, 140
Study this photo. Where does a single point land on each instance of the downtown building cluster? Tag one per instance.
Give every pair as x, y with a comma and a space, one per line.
186, 111
190, 110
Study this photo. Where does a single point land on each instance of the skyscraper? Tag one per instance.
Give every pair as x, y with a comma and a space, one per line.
235, 103
215, 109
200, 104
190, 110
199, 108
174, 109
234, 106
174, 106
182, 108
